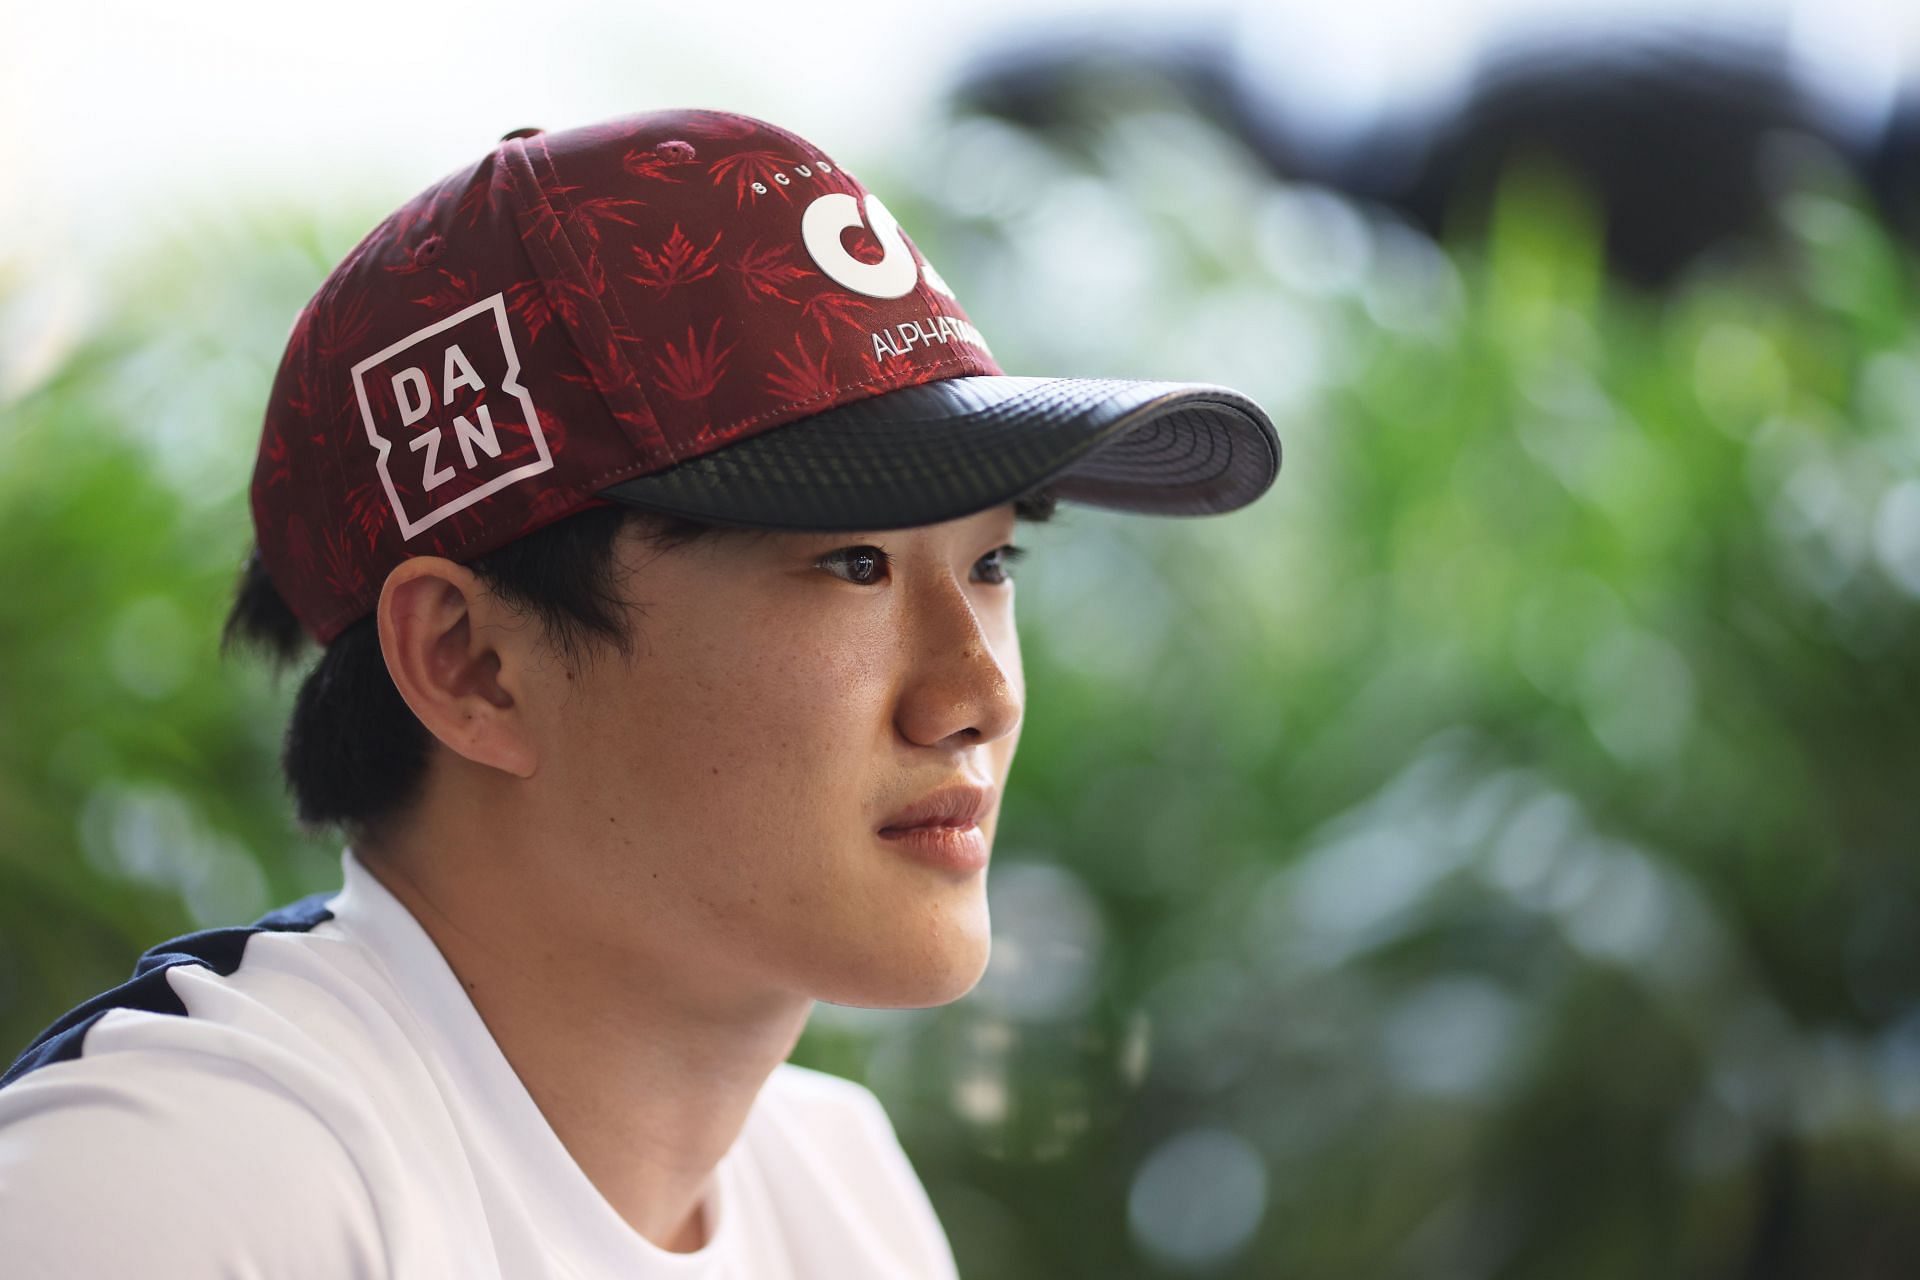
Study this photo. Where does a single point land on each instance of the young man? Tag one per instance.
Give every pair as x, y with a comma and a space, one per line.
651, 498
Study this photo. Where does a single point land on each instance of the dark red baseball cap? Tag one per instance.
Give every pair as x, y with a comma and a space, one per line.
691, 311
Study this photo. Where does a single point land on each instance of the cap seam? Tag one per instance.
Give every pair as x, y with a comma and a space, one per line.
609, 301
329, 423
331, 287
331, 411
657, 436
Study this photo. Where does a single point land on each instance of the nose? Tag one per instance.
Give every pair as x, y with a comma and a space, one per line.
965, 680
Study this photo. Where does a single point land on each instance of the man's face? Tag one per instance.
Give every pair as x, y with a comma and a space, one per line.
714, 803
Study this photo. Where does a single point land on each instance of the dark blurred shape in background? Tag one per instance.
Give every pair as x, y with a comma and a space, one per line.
1894, 170
1667, 133
1668, 124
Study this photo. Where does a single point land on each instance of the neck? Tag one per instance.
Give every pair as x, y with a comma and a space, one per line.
645, 1060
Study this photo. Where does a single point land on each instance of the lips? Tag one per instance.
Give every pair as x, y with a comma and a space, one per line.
957, 805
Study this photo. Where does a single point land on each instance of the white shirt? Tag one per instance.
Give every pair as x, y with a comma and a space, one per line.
315, 1095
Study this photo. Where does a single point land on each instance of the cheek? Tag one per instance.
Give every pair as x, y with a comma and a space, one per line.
718, 750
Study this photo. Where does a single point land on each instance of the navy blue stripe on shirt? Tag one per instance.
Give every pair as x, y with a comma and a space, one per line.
218, 949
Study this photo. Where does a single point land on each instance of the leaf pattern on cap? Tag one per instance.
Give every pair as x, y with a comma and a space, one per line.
545, 221
532, 302
586, 215
486, 200
613, 375
451, 292
655, 167
367, 509
769, 272
747, 168
849, 309
677, 262
805, 380
694, 372
345, 575
340, 329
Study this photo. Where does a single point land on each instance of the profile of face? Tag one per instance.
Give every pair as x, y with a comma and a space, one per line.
711, 806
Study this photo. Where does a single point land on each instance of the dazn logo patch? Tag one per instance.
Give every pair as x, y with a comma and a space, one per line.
446, 416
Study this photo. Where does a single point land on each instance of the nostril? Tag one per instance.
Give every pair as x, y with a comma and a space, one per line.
675, 149
429, 249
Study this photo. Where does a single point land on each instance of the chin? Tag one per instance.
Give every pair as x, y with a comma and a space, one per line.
931, 979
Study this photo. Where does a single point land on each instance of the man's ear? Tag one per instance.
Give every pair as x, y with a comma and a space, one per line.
457, 670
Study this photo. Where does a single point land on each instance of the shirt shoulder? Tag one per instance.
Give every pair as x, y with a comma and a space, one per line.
847, 1132
845, 1113
194, 1121
844, 1121
152, 987
167, 1163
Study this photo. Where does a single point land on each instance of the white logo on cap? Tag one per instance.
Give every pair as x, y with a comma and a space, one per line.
412, 397
893, 276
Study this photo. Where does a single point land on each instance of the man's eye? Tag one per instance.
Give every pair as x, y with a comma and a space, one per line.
865, 559
1002, 560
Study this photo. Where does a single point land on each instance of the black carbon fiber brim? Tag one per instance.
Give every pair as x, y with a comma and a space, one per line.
946, 449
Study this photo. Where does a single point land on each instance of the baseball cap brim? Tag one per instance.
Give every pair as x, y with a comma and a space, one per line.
948, 448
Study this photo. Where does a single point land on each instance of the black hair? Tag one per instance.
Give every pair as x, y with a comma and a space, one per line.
354, 754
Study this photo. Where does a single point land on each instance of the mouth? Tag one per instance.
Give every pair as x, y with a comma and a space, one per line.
949, 845
934, 824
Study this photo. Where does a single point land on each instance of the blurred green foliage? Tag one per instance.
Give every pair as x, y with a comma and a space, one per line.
1489, 855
